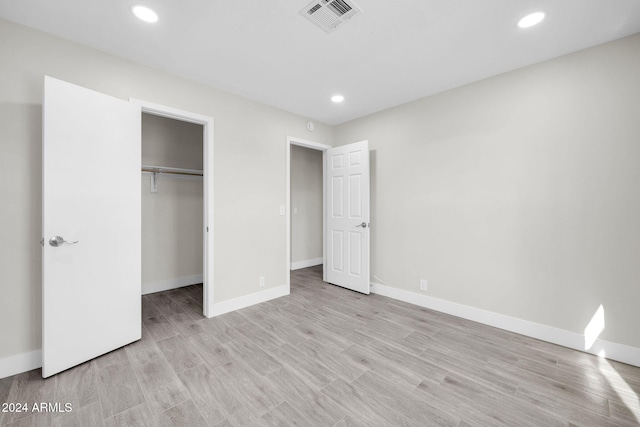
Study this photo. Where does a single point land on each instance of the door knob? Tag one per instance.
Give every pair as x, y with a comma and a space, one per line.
59, 241
363, 225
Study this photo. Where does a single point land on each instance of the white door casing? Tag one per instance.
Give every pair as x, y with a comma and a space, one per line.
347, 232
91, 194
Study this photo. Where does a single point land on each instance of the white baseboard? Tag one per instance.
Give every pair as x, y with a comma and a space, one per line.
306, 263
165, 285
610, 350
20, 363
248, 300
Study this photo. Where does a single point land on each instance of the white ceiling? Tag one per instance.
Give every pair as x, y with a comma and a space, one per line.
392, 53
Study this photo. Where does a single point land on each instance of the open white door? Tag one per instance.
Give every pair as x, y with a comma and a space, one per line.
91, 272
347, 233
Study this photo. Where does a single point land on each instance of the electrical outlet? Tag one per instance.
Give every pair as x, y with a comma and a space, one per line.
423, 285
261, 281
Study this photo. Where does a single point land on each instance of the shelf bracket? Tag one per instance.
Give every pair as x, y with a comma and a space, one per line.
154, 182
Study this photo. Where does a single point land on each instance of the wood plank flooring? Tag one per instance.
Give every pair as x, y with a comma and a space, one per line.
326, 356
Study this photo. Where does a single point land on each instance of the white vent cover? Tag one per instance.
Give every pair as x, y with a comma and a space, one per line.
329, 14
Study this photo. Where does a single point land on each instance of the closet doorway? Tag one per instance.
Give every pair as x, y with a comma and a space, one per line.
177, 200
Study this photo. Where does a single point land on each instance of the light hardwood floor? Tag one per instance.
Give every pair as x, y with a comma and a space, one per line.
327, 356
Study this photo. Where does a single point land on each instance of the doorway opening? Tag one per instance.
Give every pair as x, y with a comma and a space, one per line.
171, 204
177, 200
305, 212
306, 208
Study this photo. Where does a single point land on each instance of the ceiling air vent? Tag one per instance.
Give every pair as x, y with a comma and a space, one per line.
329, 14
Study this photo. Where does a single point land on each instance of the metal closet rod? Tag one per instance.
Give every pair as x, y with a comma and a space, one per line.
175, 171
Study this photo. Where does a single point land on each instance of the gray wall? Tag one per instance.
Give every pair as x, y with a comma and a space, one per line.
250, 141
306, 198
519, 194
169, 142
172, 223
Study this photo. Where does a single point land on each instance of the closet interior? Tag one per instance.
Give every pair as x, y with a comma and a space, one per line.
172, 203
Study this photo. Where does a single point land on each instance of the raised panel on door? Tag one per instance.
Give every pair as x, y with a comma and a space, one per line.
355, 253
337, 246
355, 196
337, 197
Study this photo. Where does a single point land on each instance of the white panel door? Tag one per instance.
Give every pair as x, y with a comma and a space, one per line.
347, 187
91, 281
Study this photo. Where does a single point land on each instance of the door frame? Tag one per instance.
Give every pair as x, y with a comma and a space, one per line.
314, 146
207, 169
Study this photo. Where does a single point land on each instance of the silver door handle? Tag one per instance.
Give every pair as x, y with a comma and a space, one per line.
59, 241
363, 225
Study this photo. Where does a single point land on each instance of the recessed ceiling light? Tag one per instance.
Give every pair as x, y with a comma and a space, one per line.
531, 19
144, 13
337, 98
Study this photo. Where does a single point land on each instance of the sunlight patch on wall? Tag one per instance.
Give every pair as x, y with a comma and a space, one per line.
594, 328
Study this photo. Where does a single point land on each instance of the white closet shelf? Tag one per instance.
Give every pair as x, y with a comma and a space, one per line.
155, 170
166, 169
